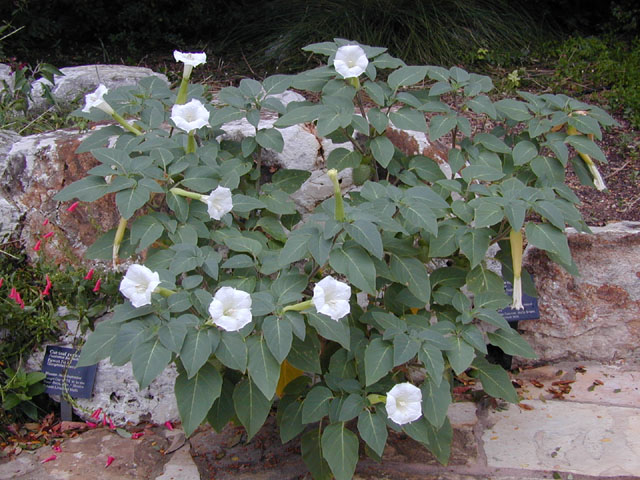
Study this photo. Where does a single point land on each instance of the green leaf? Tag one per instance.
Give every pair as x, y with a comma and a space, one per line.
288, 288
99, 344
481, 172
129, 337
263, 368
179, 205
511, 343
195, 396
367, 235
405, 349
251, 406
409, 119
445, 243
432, 359
316, 404
549, 238
378, 360
196, 350
145, 230
293, 424
340, 450
341, 158
474, 244
276, 84
270, 138
243, 244
524, 152
232, 351
481, 279
412, 273
289, 180
222, 410
513, 109
378, 120
338, 331
295, 248
438, 441
311, 449
351, 407
305, 355
549, 170
130, 200
436, 398
406, 76
492, 143
357, 265
148, 360
299, 115
588, 147
331, 119
278, 335
487, 213
460, 355
88, 189
373, 430
418, 213
495, 380
245, 204
382, 150
440, 125
585, 124
172, 335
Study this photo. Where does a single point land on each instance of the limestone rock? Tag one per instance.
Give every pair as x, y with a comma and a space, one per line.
6, 75
595, 316
37, 167
77, 81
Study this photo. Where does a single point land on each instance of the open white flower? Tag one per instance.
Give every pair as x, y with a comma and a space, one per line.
230, 309
331, 298
138, 284
404, 403
191, 59
190, 116
350, 61
219, 202
96, 100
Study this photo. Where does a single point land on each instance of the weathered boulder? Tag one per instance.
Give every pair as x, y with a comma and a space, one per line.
6, 75
595, 316
33, 170
77, 81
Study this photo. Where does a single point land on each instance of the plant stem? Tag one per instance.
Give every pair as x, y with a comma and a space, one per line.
117, 117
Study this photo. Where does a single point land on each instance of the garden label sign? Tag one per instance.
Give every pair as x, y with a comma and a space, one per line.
529, 312
59, 365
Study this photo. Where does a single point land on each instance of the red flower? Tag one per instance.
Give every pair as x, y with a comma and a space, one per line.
1, 281
48, 235
73, 206
46, 222
57, 449
169, 425
48, 459
96, 413
91, 424
47, 288
36, 247
136, 435
89, 275
97, 287
110, 460
16, 296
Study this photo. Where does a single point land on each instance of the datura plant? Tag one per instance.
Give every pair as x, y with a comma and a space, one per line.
357, 317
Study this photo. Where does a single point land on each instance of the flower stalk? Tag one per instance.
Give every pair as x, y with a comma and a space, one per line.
515, 240
376, 398
165, 292
181, 99
298, 307
117, 241
126, 125
191, 143
187, 194
337, 193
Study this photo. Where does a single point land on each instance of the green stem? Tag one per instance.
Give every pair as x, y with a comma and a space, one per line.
191, 143
298, 307
165, 292
375, 398
185, 193
182, 93
118, 118
122, 227
333, 176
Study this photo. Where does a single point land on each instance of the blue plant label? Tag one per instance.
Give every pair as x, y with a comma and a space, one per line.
59, 365
530, 304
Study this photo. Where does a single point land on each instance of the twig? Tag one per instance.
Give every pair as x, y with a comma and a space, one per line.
617, 170
632, 204
247, 62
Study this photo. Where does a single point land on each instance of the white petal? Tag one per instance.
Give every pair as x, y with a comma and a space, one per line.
350, 61
192, 59
404, 403
95, 100
190, 116
138, 284
331, 298
230, 309
219, 202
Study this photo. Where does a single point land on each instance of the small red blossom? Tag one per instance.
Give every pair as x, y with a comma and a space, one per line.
136, 435
169, 425
104, 419
112, 426
110, 460
96, 289
47, 288
57, 449
48, 235
91, 424
89, 275
49, 459
46, 222
96, 413
36, 247
16, 296
73, 206
1, 281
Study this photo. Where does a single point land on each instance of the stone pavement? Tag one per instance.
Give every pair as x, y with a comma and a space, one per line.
576, 421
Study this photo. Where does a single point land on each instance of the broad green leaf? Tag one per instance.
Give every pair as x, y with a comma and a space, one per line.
270, 138
172, 335
487, 213
481, 172
491, 142
295, 248
549, 238
130, 200
460, 355
244, 203
131, 335
264, 369
289, 180
585, 124
418, 213
438, 441
440, 125
436, 399
99, 344
378, 120
316, 404
288, 287
196, 350
351, 407
148, 360
584, 145
378, 360
373, 430
99, 138
232, 351
431, 357
367, 235
511, 343
549, 170
305, 354
276, 84
338, 331
409, 119
405, 349
341, 158
513, 109
524, 152
196, 395
278, 335
412, 273
445, 243
222, 410
251, 406
293, 425
298, 115
382, 150
495, 380
474, 244
88, 189
243, 244
481, 279
406, 76
357, 265
144, 231
311, 449
340, 450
